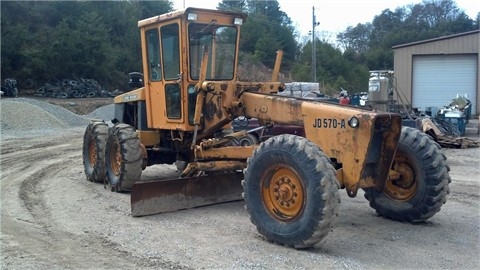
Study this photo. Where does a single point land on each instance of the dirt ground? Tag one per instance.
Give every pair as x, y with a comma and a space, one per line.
52, 218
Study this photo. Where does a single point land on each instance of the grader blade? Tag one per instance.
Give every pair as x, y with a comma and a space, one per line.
162, 196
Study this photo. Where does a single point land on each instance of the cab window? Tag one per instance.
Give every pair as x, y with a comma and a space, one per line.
221, 44
170, 51
153, 55
173, 100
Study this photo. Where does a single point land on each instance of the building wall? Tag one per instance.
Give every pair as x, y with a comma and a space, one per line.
466, 44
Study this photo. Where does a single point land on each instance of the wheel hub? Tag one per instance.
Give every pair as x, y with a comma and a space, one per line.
404, 186
283, 194
407, 178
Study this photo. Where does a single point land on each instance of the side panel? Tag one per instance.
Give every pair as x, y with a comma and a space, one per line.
129, 106
119, 112
365, 152
142, 115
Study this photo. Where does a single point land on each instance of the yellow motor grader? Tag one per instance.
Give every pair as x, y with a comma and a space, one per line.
183, 114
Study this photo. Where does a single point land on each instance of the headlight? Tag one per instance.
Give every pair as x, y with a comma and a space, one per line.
353, 122
192, 16
238, 21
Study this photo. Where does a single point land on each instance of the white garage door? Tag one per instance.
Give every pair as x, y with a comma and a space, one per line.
437, 79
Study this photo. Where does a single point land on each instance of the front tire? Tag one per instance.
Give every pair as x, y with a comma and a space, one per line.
93, 152
418, 182
123, 158
290, 191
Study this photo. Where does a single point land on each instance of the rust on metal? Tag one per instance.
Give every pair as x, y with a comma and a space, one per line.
226, 152
404, 187
276, 68
214, 165
162, 196
283, 194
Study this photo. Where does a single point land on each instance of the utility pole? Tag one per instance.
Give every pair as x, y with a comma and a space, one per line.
314, 48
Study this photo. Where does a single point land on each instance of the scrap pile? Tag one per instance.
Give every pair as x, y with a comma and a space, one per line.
446, 134
447, 126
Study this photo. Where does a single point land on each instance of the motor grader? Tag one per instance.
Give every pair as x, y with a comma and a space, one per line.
290, 184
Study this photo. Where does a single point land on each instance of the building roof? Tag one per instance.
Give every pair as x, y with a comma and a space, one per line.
436, 39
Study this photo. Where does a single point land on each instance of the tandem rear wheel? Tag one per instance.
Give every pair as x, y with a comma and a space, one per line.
94, 141
123, 157
112, 155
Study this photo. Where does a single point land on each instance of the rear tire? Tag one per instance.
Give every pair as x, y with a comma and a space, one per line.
422, 187
290, 191
94, 141
123, 158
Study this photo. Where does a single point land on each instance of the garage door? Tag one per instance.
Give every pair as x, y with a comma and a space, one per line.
437, 79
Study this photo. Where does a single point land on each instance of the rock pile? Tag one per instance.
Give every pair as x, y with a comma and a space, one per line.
22, 117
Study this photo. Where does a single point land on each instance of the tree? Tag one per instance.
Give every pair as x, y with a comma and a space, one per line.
334, 69
238, 6
438, 12
267, 30
66, 39
356, 38
426, 20
152, 8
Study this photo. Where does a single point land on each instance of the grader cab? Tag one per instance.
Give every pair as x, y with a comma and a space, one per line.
183, 114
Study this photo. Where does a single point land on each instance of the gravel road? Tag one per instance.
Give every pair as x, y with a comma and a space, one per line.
52, 218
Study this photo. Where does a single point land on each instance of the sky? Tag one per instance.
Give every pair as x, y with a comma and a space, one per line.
334, 16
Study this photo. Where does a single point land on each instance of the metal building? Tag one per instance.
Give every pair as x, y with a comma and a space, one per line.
430, 73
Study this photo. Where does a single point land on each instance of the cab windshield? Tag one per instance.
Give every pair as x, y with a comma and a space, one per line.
221, 43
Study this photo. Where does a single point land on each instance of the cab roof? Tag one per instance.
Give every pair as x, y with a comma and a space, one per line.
183, 12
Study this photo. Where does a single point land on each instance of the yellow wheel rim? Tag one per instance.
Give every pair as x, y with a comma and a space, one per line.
404, 187
283, 194
92, 153
115, 158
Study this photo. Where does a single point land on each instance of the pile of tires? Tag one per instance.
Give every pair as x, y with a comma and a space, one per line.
82, 88
9, 88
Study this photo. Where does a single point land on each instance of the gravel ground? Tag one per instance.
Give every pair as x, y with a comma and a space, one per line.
52, 218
